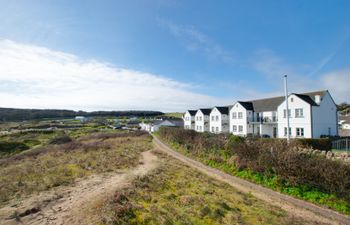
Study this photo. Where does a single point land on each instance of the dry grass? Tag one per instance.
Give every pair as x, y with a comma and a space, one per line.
56, 165
177, 194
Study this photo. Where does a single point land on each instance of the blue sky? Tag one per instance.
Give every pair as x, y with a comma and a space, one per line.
169, 55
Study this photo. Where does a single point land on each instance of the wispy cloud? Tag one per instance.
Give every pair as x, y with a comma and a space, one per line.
37, 77
273, 67
196, 41
338, 83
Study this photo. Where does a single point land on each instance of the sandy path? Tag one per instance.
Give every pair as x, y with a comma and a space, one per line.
292, 205
68, 205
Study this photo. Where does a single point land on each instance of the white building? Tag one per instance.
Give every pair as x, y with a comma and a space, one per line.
155, 125
202, 120
344, 122
189, 119
311, 115
219, 120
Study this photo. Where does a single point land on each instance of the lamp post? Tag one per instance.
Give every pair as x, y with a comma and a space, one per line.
287, 109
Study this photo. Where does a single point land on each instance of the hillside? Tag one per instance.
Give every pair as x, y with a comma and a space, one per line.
12, 114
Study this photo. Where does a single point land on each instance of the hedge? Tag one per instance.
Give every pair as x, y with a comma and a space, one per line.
272, 157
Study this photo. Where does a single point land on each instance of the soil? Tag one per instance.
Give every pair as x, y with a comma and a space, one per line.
73, 204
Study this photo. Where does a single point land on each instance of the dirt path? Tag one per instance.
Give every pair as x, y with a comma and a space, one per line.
71, 205
292, 205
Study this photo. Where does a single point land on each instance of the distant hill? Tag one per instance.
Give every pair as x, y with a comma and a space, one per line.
10, 114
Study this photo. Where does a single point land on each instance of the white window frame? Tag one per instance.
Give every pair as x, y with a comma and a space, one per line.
234, 115
289, 113
285, 131
299, 113
300, 132
240, 128
240, 115
234, 128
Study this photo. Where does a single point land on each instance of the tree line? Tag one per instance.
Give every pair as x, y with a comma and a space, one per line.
12, 114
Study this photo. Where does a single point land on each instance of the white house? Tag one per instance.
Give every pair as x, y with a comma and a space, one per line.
202, 120
344, 122
255, 118
219, 120
311, 115
155, 125
189, 119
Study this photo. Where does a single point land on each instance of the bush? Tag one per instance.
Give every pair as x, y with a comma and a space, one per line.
320, 143
269, 157
10, 147
60, 140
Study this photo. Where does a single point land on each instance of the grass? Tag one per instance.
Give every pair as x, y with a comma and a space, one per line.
217, 159
56, 165
340, 151
177, 194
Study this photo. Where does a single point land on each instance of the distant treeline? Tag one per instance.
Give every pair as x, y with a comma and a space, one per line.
10, 114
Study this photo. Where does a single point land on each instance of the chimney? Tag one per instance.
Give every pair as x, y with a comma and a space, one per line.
318, 99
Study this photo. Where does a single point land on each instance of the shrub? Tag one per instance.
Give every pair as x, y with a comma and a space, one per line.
269, 157
320, 143
61, 140
10, 146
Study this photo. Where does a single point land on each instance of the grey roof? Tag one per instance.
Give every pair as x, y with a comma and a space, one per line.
205, 111
176, 122
267, 104
271, 104
223, 109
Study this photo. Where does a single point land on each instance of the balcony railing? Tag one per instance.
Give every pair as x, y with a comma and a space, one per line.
264, 120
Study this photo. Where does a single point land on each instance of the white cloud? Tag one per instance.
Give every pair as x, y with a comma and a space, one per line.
196, 41
273, 67
37, 77
338, 82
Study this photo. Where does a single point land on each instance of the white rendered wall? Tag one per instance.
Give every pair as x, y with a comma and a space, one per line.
221, 125
236, 108
304, 122
201, 122
324, 117
189, 122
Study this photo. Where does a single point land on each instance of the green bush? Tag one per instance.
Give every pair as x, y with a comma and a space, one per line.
10, 147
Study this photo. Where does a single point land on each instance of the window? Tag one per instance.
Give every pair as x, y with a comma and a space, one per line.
234, 128
300, 132
299, 113
217, 118
217, 129
291, 99
212, 129
240, 128
240, 115
285, 131
284, 113
212, 118
234, 115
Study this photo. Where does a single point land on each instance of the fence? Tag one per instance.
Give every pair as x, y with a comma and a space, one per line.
341, 144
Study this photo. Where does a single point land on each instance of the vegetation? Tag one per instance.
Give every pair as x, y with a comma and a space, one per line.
10, 114
271, 163
343, 107
177, 194
66, 159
